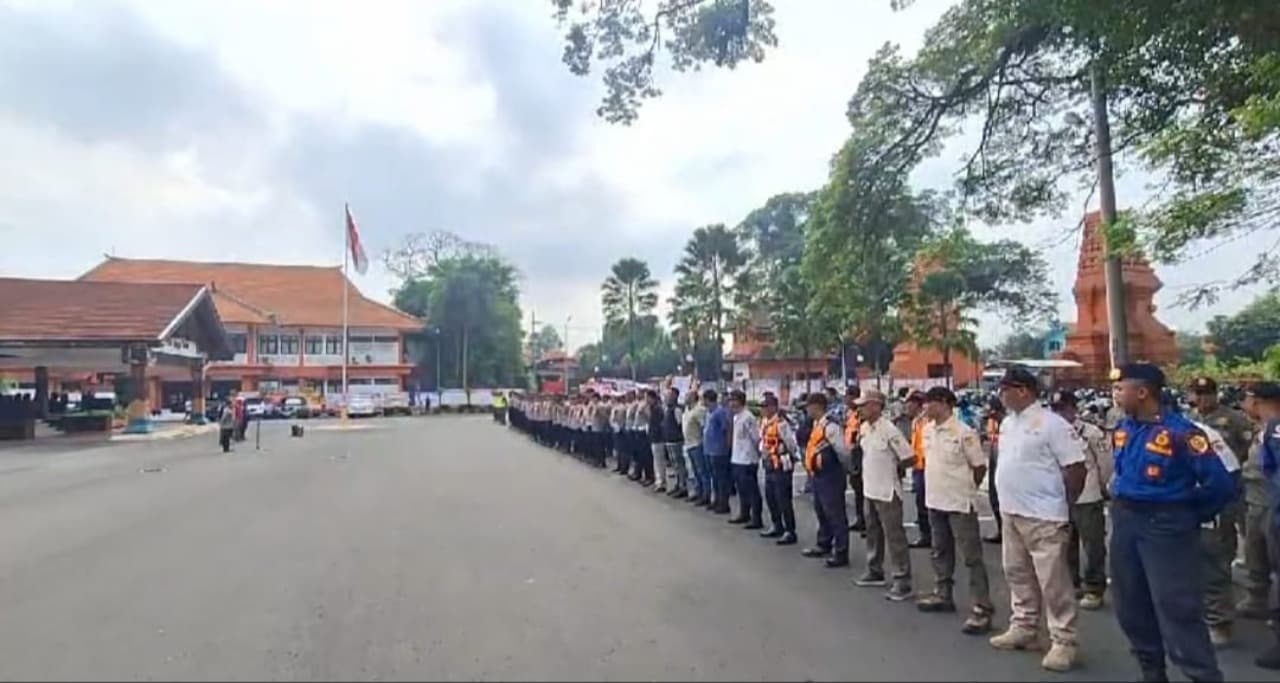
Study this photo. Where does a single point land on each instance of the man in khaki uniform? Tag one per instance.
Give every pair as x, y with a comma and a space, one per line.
885, 457
955, 463
1088, 513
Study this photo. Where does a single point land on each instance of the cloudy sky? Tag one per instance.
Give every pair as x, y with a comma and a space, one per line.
236, 129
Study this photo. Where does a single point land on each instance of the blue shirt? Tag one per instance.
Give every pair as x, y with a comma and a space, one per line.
715, 436
1170, 461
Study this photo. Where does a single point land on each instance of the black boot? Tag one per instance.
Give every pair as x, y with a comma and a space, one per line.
816, 551
773, 532
839, 559
788, 538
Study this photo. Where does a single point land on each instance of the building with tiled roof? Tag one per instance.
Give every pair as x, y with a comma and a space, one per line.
285, 325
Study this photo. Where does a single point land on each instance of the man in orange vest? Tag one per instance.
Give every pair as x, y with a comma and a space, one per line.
779, 450
914, 407
826, 459
851, 424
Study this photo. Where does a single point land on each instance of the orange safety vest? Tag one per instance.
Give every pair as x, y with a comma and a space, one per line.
813, 450
917, 442
773, 443
993, 431
851, 425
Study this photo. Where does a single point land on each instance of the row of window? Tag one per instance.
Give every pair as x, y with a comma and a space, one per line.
314, 344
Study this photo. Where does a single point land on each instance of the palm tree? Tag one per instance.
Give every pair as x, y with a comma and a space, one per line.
712, 259
626, 295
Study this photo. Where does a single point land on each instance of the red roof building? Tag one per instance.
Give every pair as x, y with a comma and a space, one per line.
285, 325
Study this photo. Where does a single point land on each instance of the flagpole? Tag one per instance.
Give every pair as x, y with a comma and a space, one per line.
346, 285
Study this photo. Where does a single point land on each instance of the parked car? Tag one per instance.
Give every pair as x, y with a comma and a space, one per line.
255, 407
362, 406
295, 407
396, 404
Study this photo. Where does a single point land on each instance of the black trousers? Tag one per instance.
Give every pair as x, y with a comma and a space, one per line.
623, 447
645, 449
922, 511
777, 495
224, 438
750, 505
992, 496
829, 506
722, 475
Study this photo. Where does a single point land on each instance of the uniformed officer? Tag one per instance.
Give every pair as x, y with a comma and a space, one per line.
780, 451
1088, 512
825, 458
1262, 400
1168, 480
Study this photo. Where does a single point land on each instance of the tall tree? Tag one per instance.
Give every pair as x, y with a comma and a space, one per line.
1247, 334
629, 38
544, 340
629, 294
960, 276
705, 276
772, 240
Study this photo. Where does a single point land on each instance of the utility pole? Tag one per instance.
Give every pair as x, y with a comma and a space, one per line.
1117, 321
565, 365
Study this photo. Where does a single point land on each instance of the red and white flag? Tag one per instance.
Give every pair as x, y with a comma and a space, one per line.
358, 257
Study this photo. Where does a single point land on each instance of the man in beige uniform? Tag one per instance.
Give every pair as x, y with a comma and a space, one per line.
955, 463
1088, 513
885, 457
1041, 474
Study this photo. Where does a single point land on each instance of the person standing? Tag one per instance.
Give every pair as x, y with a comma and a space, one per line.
226, 426
1168, 481
919, 483
779, 447
955, 465
886, 455
1088, 513
693, 424
673, 433
1041, 473
745, 460
1217, 552
618, 433
995, 416
717, 440
656, 460
825, 458
851, 421
1262, 401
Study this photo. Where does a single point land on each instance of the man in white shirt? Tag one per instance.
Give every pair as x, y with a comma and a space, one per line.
1041, 474
745, 461
1088, 513
885, 457
955, 463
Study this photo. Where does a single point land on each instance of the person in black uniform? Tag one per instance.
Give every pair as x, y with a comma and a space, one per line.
1168, 480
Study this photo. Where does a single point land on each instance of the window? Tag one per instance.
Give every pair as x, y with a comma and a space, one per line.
937, 370
239, 343
289, 344
361, 340
268, 344
333, 345
385, 340
314, 344
387, 381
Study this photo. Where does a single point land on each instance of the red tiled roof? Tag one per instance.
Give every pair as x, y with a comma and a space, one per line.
254, 292
37, 310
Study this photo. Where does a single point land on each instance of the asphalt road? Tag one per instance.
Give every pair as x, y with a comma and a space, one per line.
439, 548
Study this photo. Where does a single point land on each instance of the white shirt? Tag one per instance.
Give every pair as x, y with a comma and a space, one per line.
746, 439
952, 451
1034, 447
884, 449
1099, 462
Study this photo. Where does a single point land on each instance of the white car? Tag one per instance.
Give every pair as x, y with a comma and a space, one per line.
362, 406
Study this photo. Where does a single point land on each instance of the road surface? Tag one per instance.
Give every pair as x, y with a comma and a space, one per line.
439, 548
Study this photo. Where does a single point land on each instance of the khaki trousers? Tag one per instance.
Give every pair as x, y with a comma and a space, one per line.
1035, 567
884, 527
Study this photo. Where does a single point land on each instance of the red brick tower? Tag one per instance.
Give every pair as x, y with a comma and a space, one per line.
1088, 340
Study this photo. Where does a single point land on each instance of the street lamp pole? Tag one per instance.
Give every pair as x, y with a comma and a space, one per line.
565, 364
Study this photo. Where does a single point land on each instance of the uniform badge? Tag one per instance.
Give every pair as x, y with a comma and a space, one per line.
1114, 374
1198, 443
1162, 443
1153, 471
1119, 438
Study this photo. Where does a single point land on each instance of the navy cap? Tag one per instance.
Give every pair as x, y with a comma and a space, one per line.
1143, 372
1265, 391
1018, 376
940, 394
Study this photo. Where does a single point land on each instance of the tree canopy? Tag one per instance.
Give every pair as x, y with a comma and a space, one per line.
629, 295
1248, 334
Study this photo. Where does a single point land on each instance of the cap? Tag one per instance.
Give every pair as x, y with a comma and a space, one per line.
940, 394
1018, 376
1265, 391
770, 399
915, 395
1204, 385
738, 396
817, 398
1143, 372
869, 396
853, 392
1064, 398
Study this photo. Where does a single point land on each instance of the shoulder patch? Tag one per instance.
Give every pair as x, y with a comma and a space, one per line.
1161, 443
1198, 443
1119, 437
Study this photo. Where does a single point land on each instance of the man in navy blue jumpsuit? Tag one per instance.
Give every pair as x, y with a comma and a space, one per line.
1168, 480
1262, 400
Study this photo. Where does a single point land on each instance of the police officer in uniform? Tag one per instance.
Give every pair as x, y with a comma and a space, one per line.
826, 456
1168, 480
1262, 400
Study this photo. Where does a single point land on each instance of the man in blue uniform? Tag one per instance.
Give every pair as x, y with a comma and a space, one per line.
1168, 480
1262, 400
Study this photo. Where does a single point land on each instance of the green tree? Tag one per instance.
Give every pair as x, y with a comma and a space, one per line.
629, 37
962, 276
1247, 334
1190, 347
703, 298
544, 340
629, 294
470, 299
1021, 344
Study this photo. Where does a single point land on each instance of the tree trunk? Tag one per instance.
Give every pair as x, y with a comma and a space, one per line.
946, 344
466, 382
